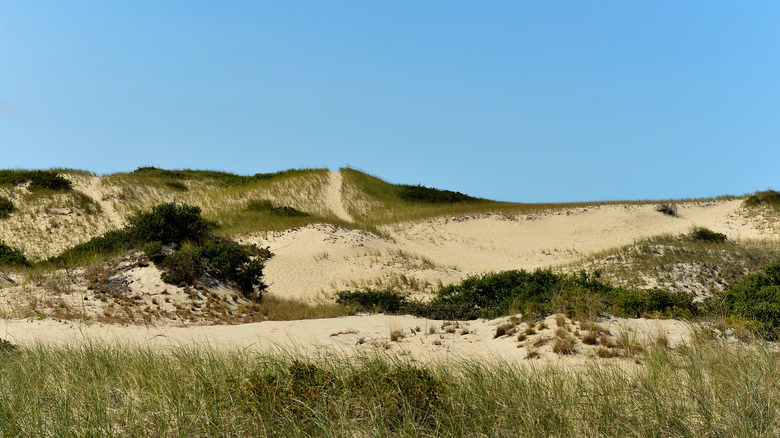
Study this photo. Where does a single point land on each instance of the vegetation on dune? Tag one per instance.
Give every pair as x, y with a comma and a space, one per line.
6, 207
225, 179
707, 388
756, 298
266, 206
180, 241
535, 294
768, 197
38, 179
12, 257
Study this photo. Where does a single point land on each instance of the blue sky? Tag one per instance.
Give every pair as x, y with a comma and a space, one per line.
528, 101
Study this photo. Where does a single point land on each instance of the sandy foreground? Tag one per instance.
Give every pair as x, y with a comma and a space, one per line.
313, 262
420, 339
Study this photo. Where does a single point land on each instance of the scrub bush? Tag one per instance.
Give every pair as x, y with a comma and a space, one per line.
12, 256
6, 207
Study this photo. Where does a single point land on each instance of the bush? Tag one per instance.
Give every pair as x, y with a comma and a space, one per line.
424, 194
635, 303
702, 234
222, 260
12, 256
169, 223
6, 207
39, 179
667, 209
155, 252
181, 267
228, 261
768, 197
372, 300
756, 297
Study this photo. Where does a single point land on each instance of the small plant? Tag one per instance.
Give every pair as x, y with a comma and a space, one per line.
372, 300
564, 345
667, 209
505, 329
560, 320
155, 252
396, 335
701, 234
6, 207
590, 338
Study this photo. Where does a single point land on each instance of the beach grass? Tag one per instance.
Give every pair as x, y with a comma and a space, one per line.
704, 388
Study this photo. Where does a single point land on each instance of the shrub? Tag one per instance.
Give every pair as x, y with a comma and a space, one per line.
6, 207
424, 194
635, 303
372, 300
12, 256
667, 209
756, 297
702, 234
228, 261
169, 223
39, 179
768, 197
181, 267
154, 251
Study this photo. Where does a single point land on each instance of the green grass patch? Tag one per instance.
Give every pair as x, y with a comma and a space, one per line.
38, 179
6, 207
708, 389
768, 197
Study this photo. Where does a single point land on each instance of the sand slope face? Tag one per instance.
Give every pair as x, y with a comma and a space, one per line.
313, 262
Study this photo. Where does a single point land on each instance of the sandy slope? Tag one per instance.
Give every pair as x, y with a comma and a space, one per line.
315, 261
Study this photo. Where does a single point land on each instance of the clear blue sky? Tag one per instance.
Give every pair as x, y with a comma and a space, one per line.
528, 101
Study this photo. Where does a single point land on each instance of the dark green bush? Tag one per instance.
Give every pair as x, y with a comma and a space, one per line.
637, 303
181, 267
12, 256
228, 261
373, 300
667, 209
756, 297
154, 251
6, 207
768, 197
702, 234
169, 223
39, 179
428, 195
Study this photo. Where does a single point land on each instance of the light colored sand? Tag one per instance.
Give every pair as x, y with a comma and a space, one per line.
333, 196
315, 261
422, 339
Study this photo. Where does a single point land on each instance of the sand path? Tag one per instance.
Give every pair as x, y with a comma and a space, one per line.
333, 197
91, 188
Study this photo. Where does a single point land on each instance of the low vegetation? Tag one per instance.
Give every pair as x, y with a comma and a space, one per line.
705, 389
38, 179
12, 257
769, 198
6, 207
535, 294
179, 240
756, 299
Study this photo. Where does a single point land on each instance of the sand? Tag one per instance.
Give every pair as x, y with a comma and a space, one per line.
313, 262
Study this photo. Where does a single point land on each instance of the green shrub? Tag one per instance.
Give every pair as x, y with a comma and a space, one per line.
12, 256
756, 297
39, 179
181, 267
635, 303
428, 195
768, 197
169, 223
6, 207
667, 209
702, 234
154, 251
372, 300
228, 261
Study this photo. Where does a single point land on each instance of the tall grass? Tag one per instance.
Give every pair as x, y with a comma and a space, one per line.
703, 389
